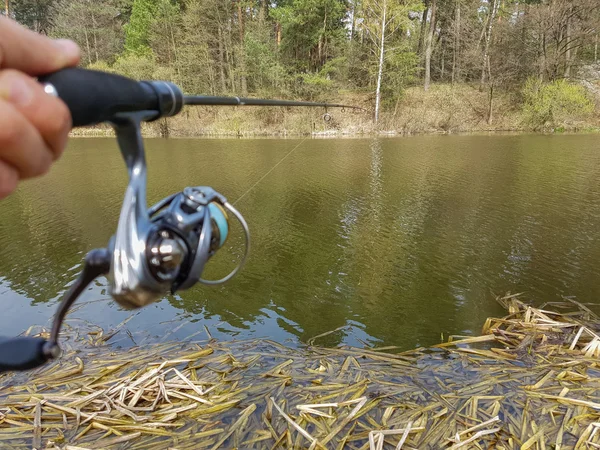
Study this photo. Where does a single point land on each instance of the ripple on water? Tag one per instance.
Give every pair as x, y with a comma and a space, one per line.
394, 241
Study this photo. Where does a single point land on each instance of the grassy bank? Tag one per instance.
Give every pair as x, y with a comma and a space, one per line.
530, 381
443, 109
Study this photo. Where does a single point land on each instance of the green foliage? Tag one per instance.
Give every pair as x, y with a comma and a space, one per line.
312, 31
93, 25
317, 85
398, 15
102, 66
263, 68
35, 14
199, 61
555, 103
401, 70
334, 68
138, 29
164, 29
314, 84
136, 66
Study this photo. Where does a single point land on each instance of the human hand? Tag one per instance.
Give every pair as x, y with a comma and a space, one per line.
34, 126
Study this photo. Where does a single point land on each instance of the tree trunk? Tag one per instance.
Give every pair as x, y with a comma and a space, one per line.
428, 45
456, 48
423, 28
442, 69
231, 71
222, 62
322, 41
381, 54
262, 14
544, 69
6, 7
319, 51
87, 44
278, 34
525, 58
175, 53
353, 26
482, 35
95, 39
491, 106
211, 73
242, 51
488, 38
229, 49
396, 105
173, 45
568, 44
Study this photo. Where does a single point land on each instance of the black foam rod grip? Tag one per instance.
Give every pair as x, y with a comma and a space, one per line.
21, 353
94, 97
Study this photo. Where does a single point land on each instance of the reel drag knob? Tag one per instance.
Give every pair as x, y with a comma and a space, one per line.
166, 254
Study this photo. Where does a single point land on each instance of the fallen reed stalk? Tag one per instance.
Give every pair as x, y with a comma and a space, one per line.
530, 381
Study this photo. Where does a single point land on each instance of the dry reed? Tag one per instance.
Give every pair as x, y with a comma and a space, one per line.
530, 381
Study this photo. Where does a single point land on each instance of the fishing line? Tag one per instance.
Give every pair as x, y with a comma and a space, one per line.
270, 170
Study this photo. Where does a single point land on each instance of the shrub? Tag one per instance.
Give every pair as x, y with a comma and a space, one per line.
136, 67
557, 103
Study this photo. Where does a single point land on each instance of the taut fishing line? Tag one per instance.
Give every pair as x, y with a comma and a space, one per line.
270, 170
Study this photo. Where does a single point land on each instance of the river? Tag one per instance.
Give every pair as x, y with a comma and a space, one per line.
395, 241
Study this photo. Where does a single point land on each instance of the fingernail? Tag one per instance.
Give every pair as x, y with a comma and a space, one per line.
69, 48
20, 93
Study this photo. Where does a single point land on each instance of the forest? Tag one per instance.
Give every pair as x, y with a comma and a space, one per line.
415, 65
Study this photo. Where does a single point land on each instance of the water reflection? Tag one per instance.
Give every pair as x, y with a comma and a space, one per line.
391, 241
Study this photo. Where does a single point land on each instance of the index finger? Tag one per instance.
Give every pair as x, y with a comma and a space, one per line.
32, 53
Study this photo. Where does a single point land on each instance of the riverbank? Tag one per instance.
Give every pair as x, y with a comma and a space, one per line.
444, 109
529, 381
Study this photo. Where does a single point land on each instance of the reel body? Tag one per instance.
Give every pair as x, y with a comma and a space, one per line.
164, 248
169, 250
154, 251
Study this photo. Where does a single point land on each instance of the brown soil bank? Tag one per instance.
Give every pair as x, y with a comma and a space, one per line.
530, 381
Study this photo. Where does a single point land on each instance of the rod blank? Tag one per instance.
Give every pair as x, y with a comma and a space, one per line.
240, 101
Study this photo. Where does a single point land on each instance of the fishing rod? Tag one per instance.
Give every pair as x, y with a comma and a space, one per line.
154, 250
94, 97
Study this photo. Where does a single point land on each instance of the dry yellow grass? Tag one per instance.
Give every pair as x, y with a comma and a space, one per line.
461, 108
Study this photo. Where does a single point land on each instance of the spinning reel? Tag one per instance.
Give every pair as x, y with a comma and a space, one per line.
155, 250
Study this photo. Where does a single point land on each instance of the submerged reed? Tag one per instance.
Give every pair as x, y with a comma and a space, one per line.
530, 381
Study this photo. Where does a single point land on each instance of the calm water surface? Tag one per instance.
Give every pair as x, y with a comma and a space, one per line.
397, 240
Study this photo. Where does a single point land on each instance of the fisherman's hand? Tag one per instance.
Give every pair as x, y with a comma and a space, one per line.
34, 126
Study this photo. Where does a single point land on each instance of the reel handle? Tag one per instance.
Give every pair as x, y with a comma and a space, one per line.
24, 353
94, 97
